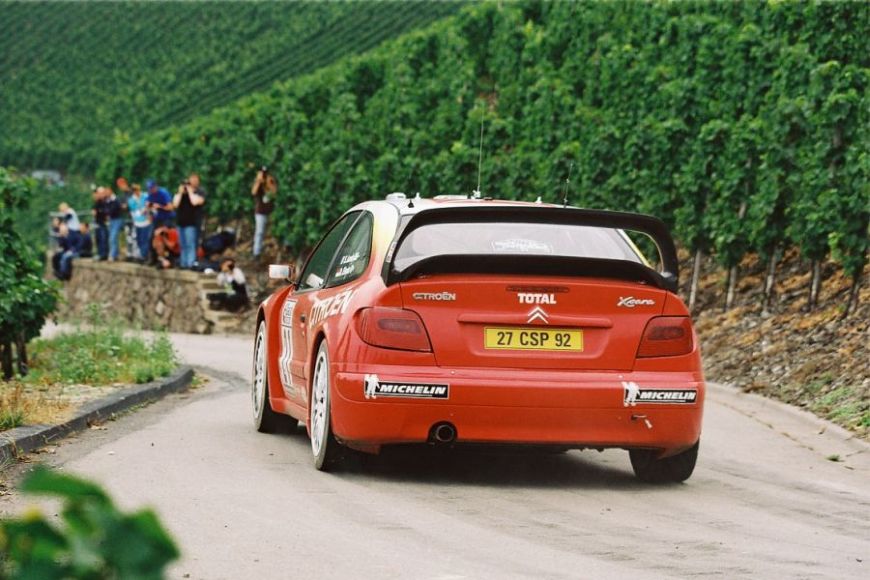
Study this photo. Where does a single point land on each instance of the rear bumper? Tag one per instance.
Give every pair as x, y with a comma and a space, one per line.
571, 408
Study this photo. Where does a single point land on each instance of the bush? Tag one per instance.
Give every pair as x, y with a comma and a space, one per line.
102, 353
92, 540
26, 299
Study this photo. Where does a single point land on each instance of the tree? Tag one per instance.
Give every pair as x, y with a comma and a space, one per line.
698, 182
26, 299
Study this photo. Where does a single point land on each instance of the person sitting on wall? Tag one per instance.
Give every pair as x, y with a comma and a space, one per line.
235, 297
68, 216
68, 247
86, 244
167, 248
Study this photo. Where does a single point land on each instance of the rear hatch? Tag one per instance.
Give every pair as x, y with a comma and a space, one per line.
498, 321
531, 285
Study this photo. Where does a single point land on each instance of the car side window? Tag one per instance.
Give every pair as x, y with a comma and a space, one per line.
315, 272
353, 257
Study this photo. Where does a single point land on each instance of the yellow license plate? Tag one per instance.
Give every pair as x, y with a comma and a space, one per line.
533, 338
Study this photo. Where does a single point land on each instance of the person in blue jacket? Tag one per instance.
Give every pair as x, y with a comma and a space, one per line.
159, 201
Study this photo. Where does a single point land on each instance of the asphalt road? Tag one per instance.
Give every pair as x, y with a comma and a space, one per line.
765, 502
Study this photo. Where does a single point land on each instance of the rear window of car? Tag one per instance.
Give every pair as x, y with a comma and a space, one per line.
507, 238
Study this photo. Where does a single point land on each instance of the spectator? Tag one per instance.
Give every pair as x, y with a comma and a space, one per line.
86, 245
159, 201
166, 246
68, 216
115, 211
137, 204
217, 243
185, 204
125, 192
193, 178
123, 188
68, 246
236, 295
101, 219
264, 189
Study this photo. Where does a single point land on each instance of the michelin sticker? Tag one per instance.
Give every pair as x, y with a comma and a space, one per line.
374, 388
634, 394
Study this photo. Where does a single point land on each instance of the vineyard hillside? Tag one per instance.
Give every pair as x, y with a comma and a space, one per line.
745, 126
73, 74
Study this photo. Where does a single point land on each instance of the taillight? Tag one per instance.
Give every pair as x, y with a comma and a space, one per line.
666, 336
393, 328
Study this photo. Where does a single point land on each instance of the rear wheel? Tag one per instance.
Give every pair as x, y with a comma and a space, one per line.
673, 469
327, 451
265, 419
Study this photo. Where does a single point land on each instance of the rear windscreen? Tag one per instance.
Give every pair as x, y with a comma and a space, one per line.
507, 238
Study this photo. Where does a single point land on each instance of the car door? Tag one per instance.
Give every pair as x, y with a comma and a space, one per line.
296, 314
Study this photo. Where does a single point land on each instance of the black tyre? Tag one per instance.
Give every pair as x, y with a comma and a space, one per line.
673, 469
265, 419
327, 451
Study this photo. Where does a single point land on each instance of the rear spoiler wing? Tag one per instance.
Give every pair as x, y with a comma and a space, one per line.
667, 279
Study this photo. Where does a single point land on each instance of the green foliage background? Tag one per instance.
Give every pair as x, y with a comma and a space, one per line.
697, 112
72, 73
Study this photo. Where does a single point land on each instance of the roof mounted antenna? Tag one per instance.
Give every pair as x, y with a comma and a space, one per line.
565, 187
476, 192
410, 176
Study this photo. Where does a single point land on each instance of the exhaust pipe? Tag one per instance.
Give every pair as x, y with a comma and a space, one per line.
442, 433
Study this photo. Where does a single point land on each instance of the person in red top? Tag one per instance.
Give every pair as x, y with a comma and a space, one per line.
166, 246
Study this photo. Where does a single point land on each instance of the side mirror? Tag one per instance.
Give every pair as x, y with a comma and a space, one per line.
285, 272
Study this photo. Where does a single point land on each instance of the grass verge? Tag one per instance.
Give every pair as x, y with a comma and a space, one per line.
80, 365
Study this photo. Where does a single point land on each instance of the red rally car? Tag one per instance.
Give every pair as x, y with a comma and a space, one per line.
452, 320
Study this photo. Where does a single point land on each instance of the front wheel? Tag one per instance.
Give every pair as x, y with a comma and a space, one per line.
673, 469
265, 419
326, 450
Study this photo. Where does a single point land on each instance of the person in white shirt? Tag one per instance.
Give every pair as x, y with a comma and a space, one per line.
235, 297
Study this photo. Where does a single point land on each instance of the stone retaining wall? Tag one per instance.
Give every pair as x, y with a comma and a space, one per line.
153, 299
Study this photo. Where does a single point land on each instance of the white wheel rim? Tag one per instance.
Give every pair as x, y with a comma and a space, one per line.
259, 384
319, 403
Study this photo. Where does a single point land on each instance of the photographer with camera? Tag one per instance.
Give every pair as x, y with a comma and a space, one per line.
235, 297
186, 202
101, 221
264, 190
196, 184
159, 203
166, 246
